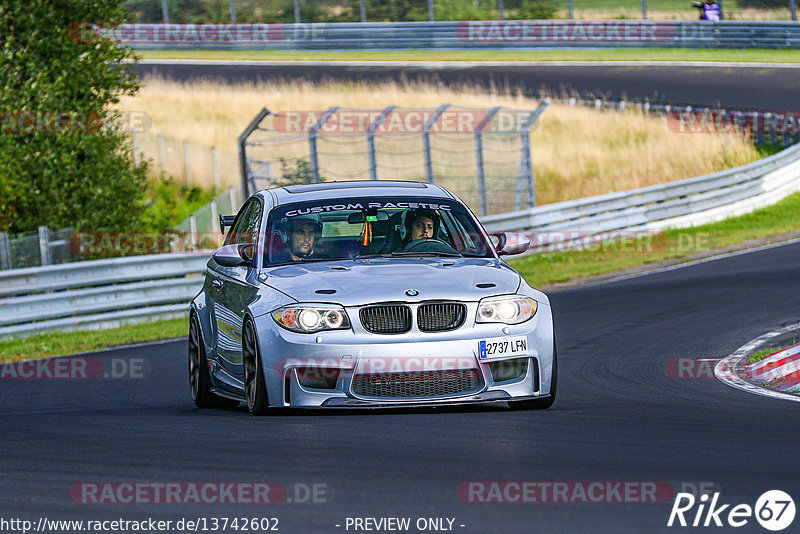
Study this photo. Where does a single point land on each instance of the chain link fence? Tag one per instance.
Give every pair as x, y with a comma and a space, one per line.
32, 249
196, 164
202, 226
482, 155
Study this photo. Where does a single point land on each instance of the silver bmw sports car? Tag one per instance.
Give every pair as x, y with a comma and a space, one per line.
367, 294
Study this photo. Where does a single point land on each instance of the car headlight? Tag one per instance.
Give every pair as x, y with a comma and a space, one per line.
510, 309
310, 318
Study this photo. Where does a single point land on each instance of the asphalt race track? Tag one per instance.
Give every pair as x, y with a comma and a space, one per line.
773, 88
619, 416
623, 414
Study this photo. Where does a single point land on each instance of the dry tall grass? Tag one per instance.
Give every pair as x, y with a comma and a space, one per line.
576, 151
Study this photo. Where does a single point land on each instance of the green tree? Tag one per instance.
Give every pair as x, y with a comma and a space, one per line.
80, 174
535, 9
763, 3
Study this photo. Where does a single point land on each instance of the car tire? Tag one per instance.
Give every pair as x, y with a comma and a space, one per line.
546, 402
199, 377
255, 388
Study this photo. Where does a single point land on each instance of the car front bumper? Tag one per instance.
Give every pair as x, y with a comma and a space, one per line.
345, 355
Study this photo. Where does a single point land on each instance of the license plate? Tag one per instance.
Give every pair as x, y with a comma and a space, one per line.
502, 347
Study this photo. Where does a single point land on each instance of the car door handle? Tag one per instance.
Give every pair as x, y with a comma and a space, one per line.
217, 283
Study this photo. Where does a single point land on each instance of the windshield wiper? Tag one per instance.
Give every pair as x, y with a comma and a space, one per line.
411, 255
426, 254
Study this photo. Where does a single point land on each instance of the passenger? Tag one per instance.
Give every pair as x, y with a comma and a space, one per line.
300, 234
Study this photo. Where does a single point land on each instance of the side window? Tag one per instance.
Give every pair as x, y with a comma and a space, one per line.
237, 223
247, 232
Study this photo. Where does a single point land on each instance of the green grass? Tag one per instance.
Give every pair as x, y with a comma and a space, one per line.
763, 353
641, 54
62, 343
553, 267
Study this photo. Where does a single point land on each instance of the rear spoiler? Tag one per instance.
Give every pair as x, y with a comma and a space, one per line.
226, 220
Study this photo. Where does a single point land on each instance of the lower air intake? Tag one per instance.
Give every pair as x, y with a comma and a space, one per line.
423, 384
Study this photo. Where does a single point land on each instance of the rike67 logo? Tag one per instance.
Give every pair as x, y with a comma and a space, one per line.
774, 510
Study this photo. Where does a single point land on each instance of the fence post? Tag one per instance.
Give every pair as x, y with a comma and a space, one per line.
426, 141
193, 231
500, 9
569, 8
270, 173
479, 156
214, 217
215, 165
644, 9
186, 172
362, 6
164, 11
312, 140
233, 11
160, 142
525, 163
431, 16
136, 158
373, 166
297, 11
244, 167
44, 245
5, 252
794, 10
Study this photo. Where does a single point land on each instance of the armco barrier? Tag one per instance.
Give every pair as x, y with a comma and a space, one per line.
99, 294
460, 35
682, 203
105, 293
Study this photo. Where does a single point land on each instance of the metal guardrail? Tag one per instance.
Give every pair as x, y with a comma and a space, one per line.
99, 294
682, 203
461, 35
106, 293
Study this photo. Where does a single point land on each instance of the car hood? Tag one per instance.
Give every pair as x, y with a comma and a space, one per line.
359, 282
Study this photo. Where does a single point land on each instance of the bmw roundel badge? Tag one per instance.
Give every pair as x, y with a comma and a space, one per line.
412, 292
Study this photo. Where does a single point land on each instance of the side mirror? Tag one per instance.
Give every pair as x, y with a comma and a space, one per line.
235, 255
508, 244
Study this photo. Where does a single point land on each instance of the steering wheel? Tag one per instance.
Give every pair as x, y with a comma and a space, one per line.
429, 244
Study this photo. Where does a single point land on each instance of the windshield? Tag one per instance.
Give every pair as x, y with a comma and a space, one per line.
351, 228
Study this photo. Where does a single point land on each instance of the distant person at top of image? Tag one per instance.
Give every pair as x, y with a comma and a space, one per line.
710, 10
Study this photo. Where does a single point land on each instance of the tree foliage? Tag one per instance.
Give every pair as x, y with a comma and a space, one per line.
763, 3
81, 175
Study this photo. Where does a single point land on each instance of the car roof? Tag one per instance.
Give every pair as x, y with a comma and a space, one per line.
361, 188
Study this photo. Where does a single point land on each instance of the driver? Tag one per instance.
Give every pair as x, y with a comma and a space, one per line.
300, 235
420, 224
